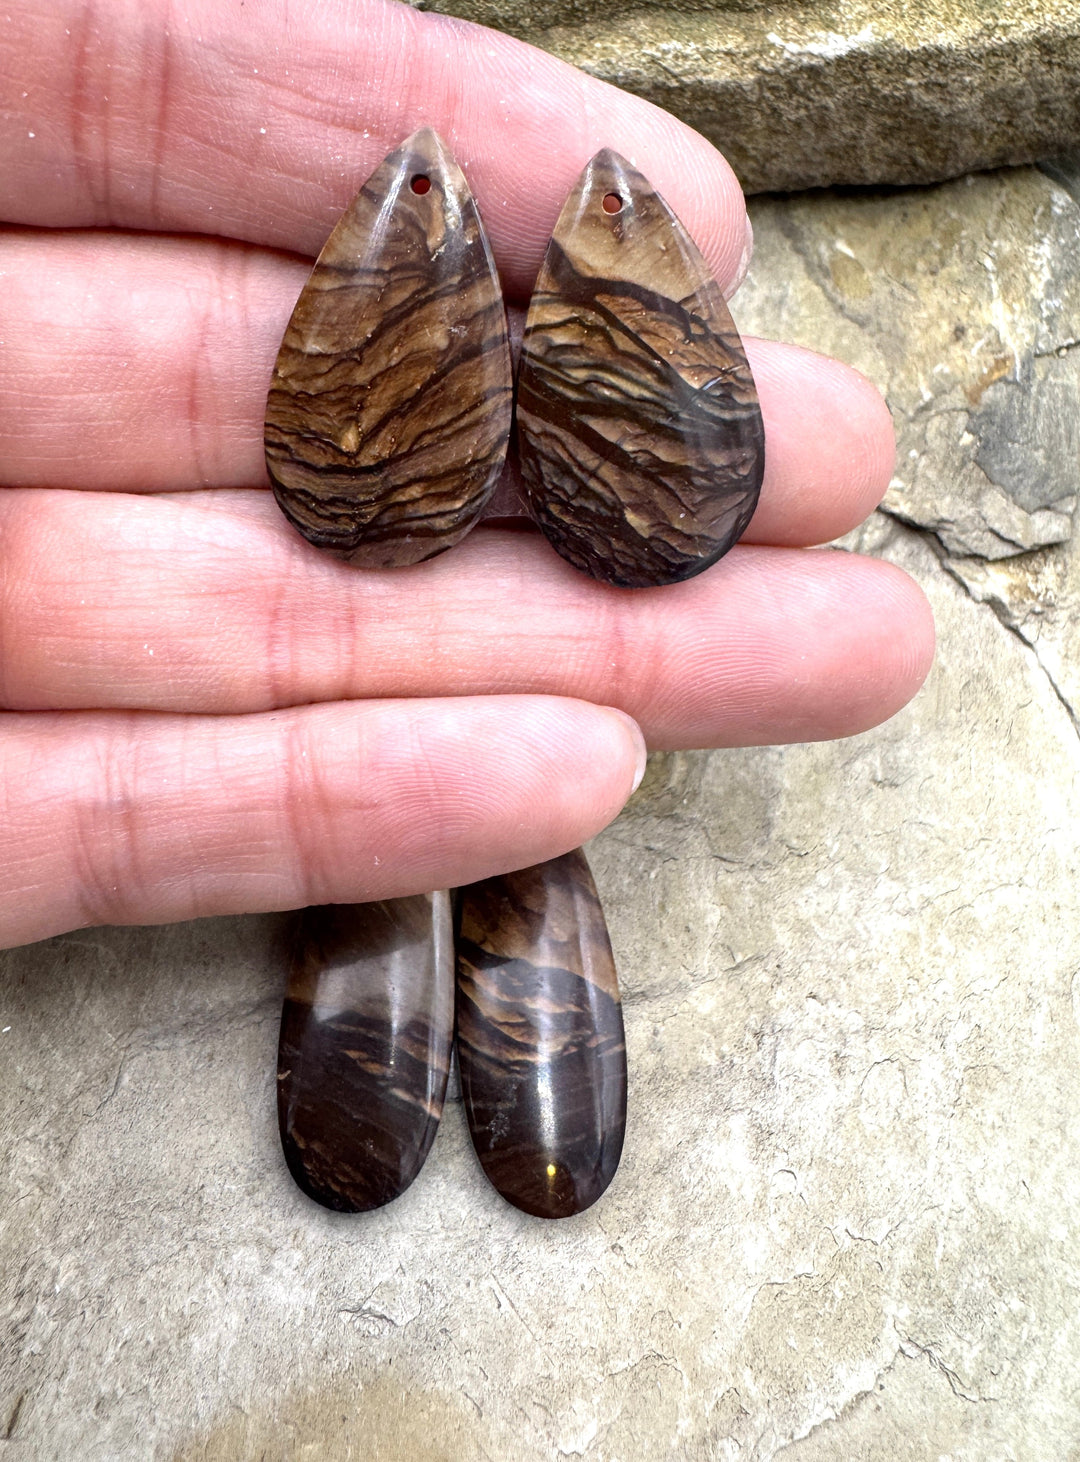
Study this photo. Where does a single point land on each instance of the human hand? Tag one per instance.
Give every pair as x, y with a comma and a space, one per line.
202, 713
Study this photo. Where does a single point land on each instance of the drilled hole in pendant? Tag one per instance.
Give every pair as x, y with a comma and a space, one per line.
421, 183
612, 203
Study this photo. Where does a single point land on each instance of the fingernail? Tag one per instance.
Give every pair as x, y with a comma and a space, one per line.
642, 751
642, 762
745, 257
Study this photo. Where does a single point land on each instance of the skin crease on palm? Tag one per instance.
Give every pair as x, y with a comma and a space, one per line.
201, 713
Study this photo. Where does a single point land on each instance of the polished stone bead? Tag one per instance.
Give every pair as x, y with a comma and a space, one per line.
641, 440
389, 413
364, 1049
540, 1036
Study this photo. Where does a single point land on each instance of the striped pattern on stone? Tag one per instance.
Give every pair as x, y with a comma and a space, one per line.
540, 1036
641, 440
364, 1050
389, 413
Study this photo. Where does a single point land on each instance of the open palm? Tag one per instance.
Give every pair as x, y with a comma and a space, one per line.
203, 714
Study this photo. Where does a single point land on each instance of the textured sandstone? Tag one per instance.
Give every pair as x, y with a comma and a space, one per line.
962, 303
802, 93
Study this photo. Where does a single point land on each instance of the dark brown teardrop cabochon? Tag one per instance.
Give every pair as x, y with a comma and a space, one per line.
389, 412
364, 1050
641, 441
540, 1036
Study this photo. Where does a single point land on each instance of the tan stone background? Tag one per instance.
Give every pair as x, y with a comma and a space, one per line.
801, 93
847, 1221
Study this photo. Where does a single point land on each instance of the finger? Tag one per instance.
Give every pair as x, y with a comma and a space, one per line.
829, 446
143, 365
144, 819
136, 363
260, 123
210, 602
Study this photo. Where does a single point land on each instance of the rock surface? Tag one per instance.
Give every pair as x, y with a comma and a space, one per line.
847, 1219
962, 303
806, 93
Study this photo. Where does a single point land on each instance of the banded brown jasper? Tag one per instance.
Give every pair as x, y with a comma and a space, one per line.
540, 1036
641, 440
389, 411
364, 1049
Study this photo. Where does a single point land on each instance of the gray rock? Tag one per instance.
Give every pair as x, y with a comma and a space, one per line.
962, 303
803, 93
848, 1216
1065, 170
1037, 596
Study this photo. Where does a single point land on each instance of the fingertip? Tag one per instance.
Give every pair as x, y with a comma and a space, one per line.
145, 818
829, 644
874, 437
918, 645
584, 766
886, 657
508, 780
829, 445
638, 751
743, 266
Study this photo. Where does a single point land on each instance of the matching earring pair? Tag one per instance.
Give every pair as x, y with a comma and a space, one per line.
390, 412
387, 427
369, 1017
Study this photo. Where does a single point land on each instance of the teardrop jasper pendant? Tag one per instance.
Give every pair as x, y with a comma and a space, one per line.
389, 412
641, 440
540, 1036
364, 1050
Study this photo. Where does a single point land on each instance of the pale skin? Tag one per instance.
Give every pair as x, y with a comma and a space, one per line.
201, 713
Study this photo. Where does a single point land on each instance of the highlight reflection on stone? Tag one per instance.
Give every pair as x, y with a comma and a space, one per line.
364, 1050
388, 417
540, 1036
641, 440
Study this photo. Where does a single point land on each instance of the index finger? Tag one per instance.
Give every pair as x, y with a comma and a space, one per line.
260, 123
